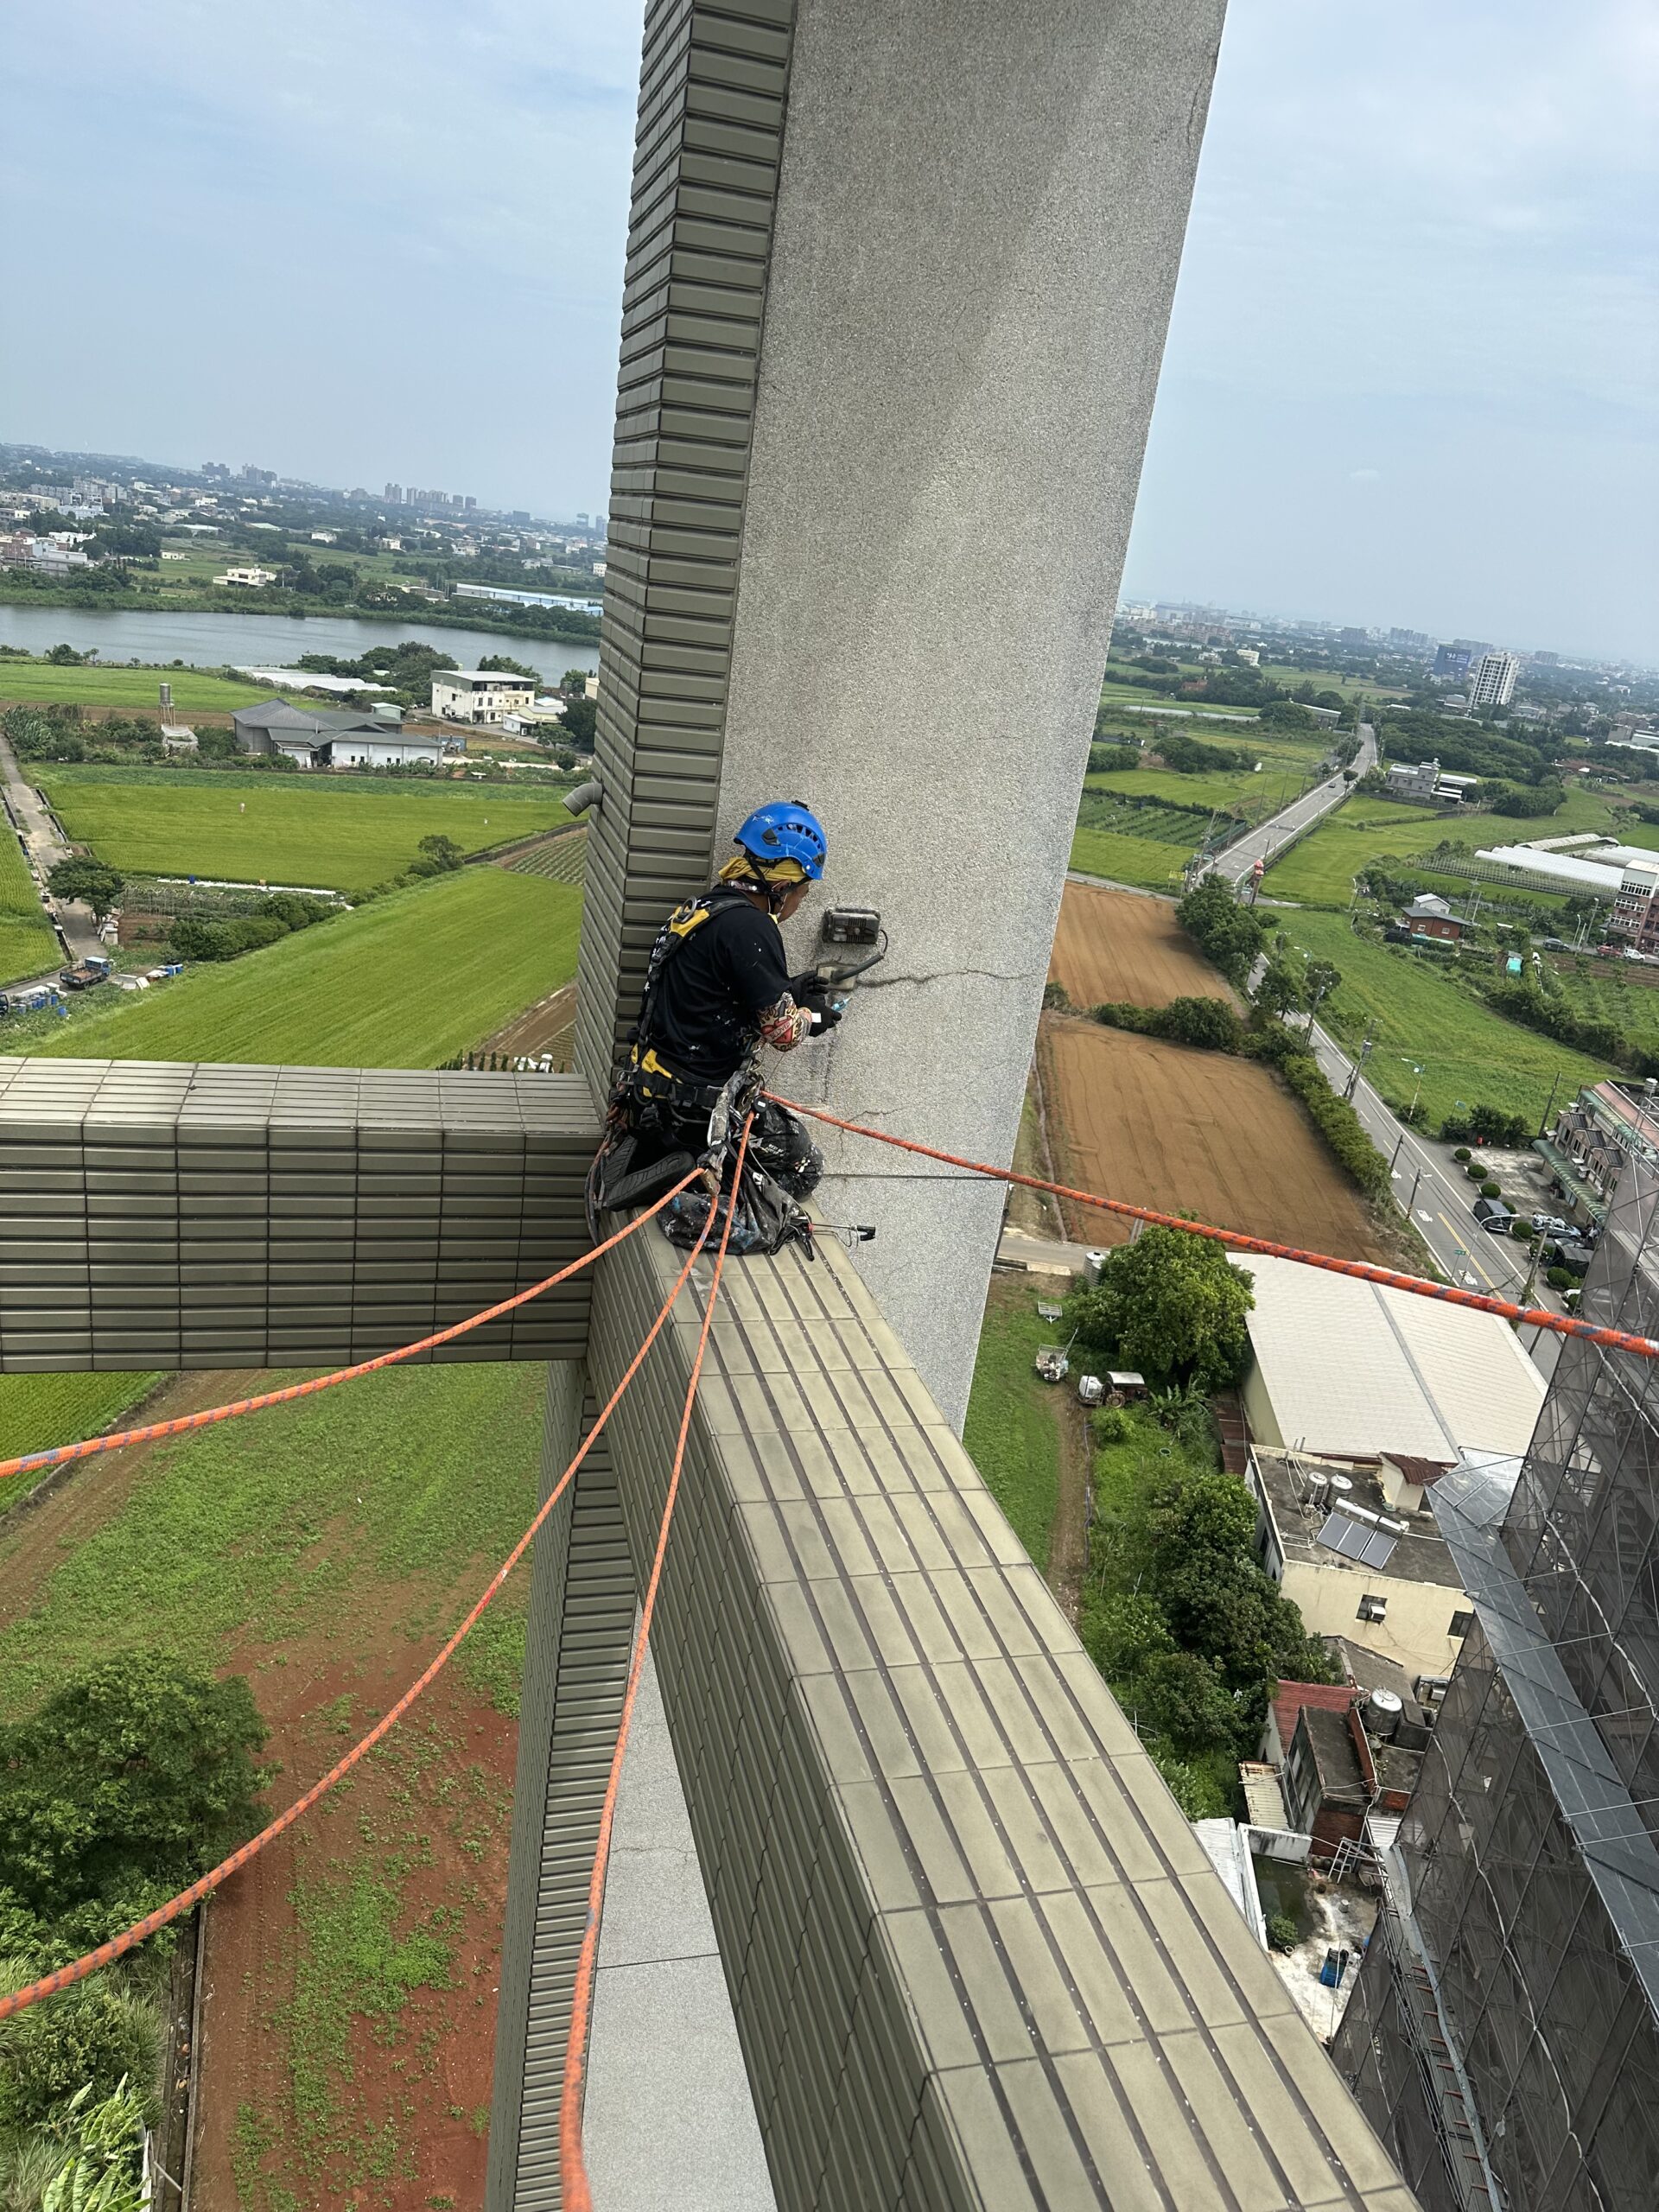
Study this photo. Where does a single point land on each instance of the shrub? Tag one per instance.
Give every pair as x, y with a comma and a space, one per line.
1338, 1123
1281, 1932
1476, 1172
1491, 1189
1210, 1024
1521, 1229
1230, 935
1196, 1790
1112, 1425
1559, 1278
1462, 1152
96, 2034
1057, 998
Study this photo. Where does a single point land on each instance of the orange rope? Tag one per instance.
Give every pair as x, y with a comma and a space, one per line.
1563, 1324
576, 2193
61, 1453
129, 1938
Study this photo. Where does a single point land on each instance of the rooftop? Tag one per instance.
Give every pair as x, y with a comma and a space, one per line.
1351, 1369
1304, 1496
493, 678
1336, 1757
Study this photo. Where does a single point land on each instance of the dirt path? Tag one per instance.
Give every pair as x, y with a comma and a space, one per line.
550, 1026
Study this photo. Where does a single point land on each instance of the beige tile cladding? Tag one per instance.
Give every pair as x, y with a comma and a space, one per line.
975, 1956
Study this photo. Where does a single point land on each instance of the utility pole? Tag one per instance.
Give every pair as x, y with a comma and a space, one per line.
1398, 1142
1543, 1126
1353, 1074
1412, 1200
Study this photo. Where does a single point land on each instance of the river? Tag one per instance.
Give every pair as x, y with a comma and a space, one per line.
265, 640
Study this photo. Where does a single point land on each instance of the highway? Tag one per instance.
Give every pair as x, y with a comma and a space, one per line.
1269, 838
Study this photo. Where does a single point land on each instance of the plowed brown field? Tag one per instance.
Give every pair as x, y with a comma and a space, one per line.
1110, 944
1190, 1132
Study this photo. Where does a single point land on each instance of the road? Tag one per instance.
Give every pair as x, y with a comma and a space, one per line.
1269, 838
1439, 1200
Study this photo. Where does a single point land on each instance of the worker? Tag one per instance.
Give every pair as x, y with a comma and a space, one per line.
718, 986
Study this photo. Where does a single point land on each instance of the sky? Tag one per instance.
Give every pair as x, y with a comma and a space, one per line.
1412, 375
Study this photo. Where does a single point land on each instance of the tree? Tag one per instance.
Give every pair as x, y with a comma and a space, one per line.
1183, 1698
1321, 978
505, 666
94, 882
67, 656
439, 856
1229, 934
580, 723
1281, 989
137, 1771
1171, 1304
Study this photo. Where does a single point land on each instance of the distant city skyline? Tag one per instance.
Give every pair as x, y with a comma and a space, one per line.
1410, 375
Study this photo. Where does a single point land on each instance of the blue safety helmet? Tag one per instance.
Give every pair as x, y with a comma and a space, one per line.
785, 831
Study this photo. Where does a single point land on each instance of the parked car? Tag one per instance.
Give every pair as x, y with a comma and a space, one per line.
1575, 1258
83, 975
1494, 1214
1551, 1222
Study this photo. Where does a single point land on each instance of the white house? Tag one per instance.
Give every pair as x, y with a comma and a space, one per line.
481, 694
253, 578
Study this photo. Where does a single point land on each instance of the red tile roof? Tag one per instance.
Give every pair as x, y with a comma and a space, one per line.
1330, 1697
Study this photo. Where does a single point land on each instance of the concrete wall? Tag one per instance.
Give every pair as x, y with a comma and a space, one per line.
1413, 1632
898, 281
979, 221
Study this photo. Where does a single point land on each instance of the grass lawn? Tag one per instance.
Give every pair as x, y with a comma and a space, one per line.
194, 690
1320, 871
1011, 1433
220, 1543
404, 982
1224, 789
339, 834
1419, 1016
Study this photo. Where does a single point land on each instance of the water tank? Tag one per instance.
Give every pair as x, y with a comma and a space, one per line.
1382, 1711
1093, 1264
1340, 1485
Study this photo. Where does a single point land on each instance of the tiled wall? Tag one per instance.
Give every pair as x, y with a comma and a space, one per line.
708, 144
975, 1956
186, 1217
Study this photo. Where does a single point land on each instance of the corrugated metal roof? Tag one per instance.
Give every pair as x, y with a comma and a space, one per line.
1353, 1368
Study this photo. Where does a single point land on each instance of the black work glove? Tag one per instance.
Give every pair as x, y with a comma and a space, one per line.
824, 1011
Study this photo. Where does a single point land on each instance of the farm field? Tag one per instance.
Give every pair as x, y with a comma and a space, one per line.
39, 1410
1111, 944
1239, 787
194, 690
28, 945
405, 982
1128, 860
1319, 872
1613, 990
1136, 695
1420, 1016
1194, 1132
338, 834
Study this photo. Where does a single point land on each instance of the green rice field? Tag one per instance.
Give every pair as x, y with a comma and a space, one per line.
28, 946
37, 1411
338, 833
1421, 1015
194, 690
405, 983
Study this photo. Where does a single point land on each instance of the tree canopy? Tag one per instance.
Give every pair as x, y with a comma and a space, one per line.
1171, 1304
94, 882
